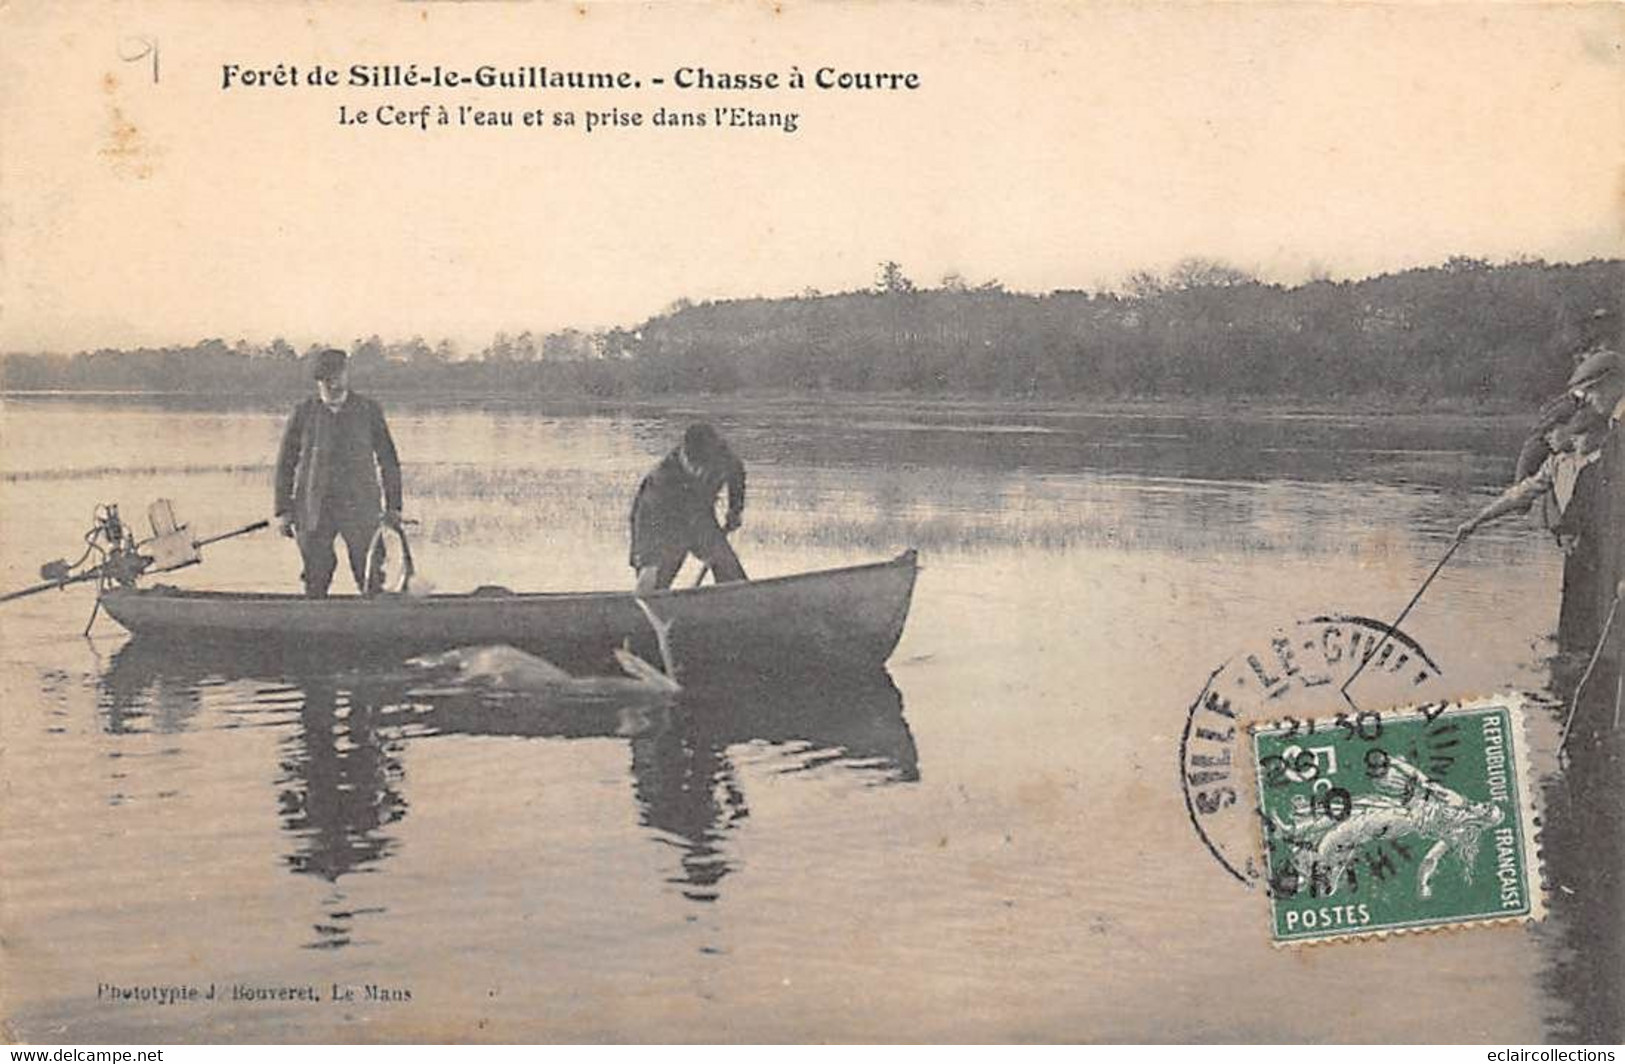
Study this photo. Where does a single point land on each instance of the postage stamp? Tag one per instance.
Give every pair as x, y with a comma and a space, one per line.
1296, 673
1400, 820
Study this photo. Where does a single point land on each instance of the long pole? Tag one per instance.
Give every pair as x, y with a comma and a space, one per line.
1596, 655
49, 584
245, 530
706, 568
1344, 690
91, 574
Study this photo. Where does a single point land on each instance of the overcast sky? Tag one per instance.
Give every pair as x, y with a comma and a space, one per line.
1049, 146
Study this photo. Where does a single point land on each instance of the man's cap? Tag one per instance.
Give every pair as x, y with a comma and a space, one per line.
1597, 368
329, 364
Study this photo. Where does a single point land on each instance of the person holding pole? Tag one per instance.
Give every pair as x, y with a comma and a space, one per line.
1594, 334
1581, 487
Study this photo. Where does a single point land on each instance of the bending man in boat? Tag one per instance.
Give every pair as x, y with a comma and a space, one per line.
674, 512
337, 458
1581, 488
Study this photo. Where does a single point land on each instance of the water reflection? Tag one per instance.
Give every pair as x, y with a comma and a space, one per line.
340, 775
684, 779
1584, 838
136, 695
1180, 532
1228, 442
688, 792
687, 787
339, 770
338, 791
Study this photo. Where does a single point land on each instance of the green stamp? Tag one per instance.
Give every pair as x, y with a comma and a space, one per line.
1401, 820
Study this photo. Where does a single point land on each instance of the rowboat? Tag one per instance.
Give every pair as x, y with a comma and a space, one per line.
847, 618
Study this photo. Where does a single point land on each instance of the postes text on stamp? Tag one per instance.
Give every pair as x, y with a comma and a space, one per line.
1404, 820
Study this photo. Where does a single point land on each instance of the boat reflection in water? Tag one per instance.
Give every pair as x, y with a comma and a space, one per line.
136, 696
338, 792
684, 781
338, 769
341, 775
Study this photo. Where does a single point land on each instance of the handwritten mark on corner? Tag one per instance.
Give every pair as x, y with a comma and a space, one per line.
135, 48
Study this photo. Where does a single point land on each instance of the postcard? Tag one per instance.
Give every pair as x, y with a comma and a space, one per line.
785, 522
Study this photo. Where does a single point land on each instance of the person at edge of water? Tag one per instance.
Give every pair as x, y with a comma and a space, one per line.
674, 511
1581, 486
336, 458
1595, 331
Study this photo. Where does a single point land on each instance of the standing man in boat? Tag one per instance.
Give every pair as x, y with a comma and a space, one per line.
1582, 489
337, 459
674, 512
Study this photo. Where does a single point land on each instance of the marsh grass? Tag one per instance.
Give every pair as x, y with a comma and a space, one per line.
129, 471
871, 482
870, 512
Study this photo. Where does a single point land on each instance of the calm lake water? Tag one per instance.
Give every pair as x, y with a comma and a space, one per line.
990, 843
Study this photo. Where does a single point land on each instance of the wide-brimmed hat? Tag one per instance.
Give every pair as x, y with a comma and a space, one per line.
329, 364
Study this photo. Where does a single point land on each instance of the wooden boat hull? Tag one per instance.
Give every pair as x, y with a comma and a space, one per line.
850, 617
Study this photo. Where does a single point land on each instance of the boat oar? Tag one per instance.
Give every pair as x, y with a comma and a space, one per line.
1406, 612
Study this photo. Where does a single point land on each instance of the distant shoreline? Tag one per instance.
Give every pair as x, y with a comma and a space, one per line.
1263, 406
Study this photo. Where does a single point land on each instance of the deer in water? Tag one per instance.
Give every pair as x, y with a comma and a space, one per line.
507, 669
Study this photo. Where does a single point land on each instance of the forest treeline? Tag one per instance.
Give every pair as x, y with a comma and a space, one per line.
1464, 330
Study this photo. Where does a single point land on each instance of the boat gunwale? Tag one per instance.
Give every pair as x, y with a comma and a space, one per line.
908, 559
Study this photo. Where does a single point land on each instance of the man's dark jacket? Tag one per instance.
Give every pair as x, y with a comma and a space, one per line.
331, 464
675, 509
